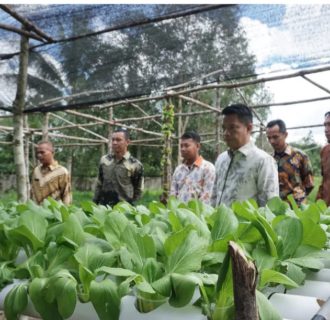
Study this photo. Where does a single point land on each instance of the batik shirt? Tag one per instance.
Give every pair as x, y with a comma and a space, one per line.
294, 174
243, 174
324, 190
119, 180
51, 181
193, 182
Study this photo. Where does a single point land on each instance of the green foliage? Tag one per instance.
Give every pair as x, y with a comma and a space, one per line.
99, 254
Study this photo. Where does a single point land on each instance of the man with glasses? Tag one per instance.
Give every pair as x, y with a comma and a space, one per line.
324, 190
244, 171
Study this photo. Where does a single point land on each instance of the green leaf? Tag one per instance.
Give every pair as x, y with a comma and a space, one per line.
183, 288
263, 259
277, 206
31, 229
294, 272
272, 276
105, 299
225, 223
188, 255
16, 301
313, 234
267, 238
37, 290
291, 232
175, 240
114, 227
73, 232
307, 262
58, 257
119, 272
266, 309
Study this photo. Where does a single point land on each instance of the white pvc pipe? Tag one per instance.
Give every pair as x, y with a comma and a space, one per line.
294, 307
318, 289
321, 275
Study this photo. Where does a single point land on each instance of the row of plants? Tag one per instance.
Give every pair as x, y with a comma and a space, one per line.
160, 254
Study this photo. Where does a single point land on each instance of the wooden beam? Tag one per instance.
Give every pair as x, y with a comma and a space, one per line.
316, 84
20, 32
113, 123
145, 113
205, 105
28, 25
81, 128
92, 124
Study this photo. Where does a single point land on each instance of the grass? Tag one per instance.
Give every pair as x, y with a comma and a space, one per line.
80, 196
148, 195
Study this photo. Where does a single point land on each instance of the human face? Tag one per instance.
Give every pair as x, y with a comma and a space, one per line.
189, 150
119, 143
236, 133
276, 138
327, 128
45, 154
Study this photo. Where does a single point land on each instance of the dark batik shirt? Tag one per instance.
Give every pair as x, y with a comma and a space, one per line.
324, 190
294, 174
119, 180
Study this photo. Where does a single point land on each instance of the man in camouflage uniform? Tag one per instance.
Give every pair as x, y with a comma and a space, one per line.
120, 174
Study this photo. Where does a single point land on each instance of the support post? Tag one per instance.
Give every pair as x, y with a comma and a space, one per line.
218, 128
110, 130
45, 125
180, 131
18, 108
167, 128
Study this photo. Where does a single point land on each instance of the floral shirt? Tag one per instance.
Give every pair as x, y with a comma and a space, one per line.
324, 190
294, 174
243, 174
194, 182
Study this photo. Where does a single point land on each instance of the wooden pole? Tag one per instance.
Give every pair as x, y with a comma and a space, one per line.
18, 108
180, 132
168, 111
45, 125
244, 283
110, 128
27, 154
20, 32
218, 123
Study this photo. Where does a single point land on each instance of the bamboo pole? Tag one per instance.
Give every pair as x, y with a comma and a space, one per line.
145, 113
113, 123
79, 127
45, 125
92, 124
205, 105
110, 132
18, 108
316, 84
218, 122
26, 23
180, 132
21, 32
58, 135
27, 153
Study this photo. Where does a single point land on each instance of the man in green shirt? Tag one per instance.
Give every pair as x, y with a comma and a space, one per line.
120, 175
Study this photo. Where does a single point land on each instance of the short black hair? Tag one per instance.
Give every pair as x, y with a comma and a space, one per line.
242, 111
191, 135
48, 143
327, 114
278, 122
124, 130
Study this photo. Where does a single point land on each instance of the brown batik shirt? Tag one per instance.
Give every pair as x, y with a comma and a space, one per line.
324, 190
51, 181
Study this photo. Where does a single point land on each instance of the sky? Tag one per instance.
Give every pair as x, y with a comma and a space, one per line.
280, 40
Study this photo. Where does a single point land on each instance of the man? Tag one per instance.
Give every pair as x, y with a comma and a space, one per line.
49, 179
294, 168
194, 178
324, 190
244, 171
120, 174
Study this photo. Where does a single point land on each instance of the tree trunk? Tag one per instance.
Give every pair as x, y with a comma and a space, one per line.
244, 282
45, 125
218, 124
18, 108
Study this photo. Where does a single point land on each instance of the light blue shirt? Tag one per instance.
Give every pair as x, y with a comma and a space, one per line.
246, 173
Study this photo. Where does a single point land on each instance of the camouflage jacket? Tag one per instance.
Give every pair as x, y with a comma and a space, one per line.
119, 180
